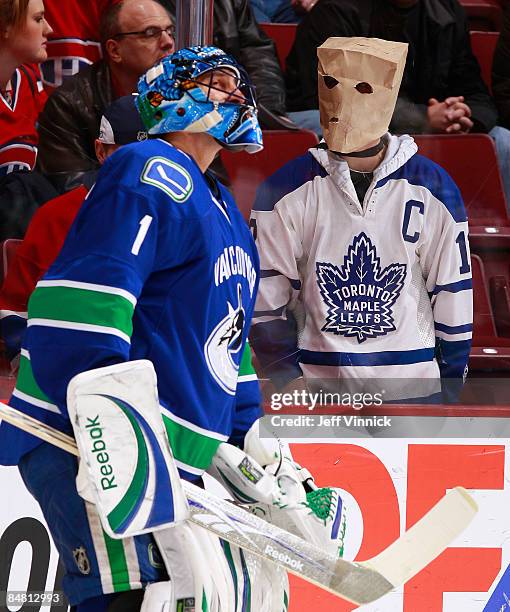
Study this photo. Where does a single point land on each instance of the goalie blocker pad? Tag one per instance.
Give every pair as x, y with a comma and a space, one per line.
121, 437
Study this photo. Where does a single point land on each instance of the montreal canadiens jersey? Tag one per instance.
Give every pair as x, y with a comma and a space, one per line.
18, 121
74, 42
379, 289
158, 264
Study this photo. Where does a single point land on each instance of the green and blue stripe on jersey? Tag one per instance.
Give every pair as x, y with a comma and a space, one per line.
104, 302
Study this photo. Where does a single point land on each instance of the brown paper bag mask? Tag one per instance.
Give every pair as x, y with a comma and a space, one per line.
359, 79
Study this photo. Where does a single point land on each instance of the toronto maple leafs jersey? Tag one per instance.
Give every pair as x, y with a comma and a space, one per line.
158, 264
361, 290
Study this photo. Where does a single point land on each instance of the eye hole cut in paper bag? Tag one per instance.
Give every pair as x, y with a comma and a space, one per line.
359, 80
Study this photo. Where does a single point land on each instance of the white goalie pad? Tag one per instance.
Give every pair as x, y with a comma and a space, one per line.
197, 568
122, 441
209, 574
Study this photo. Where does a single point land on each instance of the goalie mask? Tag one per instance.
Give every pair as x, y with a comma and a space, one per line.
178, 94
359, 80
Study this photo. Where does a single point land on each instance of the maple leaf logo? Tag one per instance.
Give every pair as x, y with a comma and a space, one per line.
360, 295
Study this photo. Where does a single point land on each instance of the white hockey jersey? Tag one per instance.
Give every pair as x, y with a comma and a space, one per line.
380, 289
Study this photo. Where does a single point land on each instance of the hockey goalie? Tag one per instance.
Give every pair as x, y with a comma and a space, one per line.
159, 266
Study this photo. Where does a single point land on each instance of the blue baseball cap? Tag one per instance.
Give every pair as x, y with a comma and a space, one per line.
121, 123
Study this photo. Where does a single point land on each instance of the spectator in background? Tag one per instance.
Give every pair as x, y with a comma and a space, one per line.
442, 89
120, 125
501, 72
23, 35
74, 42
236, 31
134, 35
280, 11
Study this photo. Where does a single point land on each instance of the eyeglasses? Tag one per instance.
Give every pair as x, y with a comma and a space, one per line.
150, 32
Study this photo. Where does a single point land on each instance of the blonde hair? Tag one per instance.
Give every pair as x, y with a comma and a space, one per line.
13, 13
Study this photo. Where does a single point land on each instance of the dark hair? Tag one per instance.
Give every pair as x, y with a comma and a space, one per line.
13, 13
109, 22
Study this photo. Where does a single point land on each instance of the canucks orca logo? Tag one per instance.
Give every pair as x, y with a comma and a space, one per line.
360, 295
223, 343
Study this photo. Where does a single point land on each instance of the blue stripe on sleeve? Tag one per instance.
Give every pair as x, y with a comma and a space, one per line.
454, 329
295, 284
269, 273
269, 313
462, 285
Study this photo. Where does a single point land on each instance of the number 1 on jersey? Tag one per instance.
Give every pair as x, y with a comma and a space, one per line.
142, 232
461, 241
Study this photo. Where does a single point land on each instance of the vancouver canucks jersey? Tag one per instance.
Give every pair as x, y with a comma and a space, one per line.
158, 264
362, 290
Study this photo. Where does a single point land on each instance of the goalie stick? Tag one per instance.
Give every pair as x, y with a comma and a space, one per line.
359, 582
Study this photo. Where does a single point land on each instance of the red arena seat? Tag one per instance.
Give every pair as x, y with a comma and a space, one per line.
483, 14
283, 35
483, 45
471, 161
491, 350
247, 171
483, 319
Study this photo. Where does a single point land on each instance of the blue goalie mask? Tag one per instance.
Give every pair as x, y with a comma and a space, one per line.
201, 89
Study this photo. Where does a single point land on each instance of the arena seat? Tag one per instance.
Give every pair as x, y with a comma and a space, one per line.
483, 45
283, 35
484, 15
247, 171
491, 350
471, 161
490, 359
483, 318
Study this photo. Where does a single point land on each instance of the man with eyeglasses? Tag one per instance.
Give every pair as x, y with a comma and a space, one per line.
134, 35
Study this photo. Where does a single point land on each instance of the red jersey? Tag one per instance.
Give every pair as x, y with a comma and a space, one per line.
18, 121
41, 245
75, 39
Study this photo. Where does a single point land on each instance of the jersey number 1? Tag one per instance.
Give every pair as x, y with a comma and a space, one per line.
464, 263
142, 232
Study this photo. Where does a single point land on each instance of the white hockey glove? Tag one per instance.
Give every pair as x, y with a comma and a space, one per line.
276, 488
